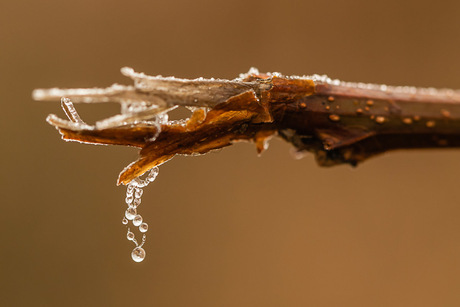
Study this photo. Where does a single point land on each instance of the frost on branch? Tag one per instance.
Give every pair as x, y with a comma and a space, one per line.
339, 122
223, 112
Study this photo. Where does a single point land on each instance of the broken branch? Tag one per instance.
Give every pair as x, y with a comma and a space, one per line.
339, 122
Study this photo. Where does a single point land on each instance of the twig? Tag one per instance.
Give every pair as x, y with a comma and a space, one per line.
339, 122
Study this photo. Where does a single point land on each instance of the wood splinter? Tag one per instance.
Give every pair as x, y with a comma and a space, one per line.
339, 122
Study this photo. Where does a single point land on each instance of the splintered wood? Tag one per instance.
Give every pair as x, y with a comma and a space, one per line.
339, 122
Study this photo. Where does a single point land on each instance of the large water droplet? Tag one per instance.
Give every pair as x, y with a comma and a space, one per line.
138, 254
137, 220
144, 227
130, 213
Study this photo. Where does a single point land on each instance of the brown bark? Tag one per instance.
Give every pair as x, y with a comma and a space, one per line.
338, 122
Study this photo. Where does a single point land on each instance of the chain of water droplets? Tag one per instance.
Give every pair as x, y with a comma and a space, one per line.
133, 200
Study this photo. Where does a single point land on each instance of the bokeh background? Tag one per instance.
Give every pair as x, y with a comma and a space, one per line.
228, 228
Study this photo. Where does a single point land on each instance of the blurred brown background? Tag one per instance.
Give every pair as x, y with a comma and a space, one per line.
227, 228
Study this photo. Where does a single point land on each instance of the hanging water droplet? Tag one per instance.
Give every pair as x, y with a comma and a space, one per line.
130, 213
130, 189
138, 254
144, 227
133, 199
138, 193
137, 220
130, 236
153, 174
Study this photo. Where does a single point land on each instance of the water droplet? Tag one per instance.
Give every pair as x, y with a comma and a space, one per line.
430, 123
144, 227
130, 236
124, 221
328, 107
138, 193
359, 111
138, 254
334, 117
370, 102
416, 117
130, 189
130, 213
137, 220
303, 105
153, 174
330, 98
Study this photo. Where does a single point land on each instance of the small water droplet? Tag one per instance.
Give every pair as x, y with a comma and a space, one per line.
137, 220
334, 117
138, 193
138, 254
359, 111
328, 107
416, 117
130, 213
153, 174
303, 105
130, 236
330, 98
144, 227
430, 123
370, 102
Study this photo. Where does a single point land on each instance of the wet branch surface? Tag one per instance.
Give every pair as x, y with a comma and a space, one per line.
338, 122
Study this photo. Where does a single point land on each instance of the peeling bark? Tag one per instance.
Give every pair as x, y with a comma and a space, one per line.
338, 122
